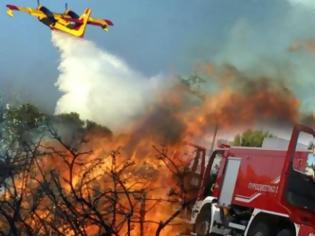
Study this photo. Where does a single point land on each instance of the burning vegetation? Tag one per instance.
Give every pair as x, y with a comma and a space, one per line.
75, 178
62, 176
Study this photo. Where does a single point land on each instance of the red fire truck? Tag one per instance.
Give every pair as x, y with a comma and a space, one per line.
259, 191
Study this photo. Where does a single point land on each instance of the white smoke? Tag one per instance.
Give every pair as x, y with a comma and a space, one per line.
99, 86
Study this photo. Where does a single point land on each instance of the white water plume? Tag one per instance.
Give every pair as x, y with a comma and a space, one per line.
100, 86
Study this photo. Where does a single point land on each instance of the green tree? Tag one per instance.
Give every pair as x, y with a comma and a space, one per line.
251, 138
70, 127
20, 128
19, 123
92, 127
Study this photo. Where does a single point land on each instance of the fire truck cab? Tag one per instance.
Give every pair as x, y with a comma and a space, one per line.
259, 191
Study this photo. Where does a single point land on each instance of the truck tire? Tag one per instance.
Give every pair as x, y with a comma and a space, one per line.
260, 229
203, 221
285, 232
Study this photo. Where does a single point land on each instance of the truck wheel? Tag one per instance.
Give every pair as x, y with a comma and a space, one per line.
260, 229
285, 232
203, 221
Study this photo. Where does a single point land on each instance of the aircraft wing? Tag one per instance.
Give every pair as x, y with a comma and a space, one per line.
31, 11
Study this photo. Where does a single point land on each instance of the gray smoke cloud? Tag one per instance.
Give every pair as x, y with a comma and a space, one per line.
100, 86
305, 3
264, 50
103, 88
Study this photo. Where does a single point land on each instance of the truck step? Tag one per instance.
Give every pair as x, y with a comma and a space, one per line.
237, 226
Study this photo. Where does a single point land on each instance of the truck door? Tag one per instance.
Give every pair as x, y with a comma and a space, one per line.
210, 175
229, 181
297, 185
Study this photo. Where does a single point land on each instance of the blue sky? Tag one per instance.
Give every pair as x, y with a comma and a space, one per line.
152, 37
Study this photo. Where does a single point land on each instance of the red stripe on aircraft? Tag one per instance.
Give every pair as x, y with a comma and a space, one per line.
109, 22
12, 7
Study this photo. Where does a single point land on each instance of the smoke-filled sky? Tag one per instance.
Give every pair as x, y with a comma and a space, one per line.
262, 37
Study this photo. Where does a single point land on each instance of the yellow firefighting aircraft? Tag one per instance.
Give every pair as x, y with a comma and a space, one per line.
68, 22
